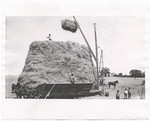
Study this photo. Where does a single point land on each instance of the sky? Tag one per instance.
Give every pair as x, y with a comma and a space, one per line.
122, 39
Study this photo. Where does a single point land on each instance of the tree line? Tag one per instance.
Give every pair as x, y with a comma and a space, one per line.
133, 73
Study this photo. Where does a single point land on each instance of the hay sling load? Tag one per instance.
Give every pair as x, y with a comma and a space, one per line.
69, 25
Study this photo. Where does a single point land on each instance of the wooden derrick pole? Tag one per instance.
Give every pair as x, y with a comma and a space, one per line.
96, 49
101, 62
92, 66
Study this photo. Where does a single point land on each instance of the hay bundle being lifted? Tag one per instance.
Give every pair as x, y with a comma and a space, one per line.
53, 62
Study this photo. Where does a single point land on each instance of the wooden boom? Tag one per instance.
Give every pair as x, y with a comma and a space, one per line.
86, 40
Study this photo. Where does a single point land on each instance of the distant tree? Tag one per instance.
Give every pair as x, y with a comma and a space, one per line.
105, 71
126, 75
120, 74
144, 74
136, 73
116, 75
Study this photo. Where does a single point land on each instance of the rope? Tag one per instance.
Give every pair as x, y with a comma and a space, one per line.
112, 53
103, 26
101, 34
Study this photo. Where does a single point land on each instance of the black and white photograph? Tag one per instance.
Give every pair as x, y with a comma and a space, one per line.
75, 57
75, 60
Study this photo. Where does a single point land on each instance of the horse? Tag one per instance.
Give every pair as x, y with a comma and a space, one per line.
113, 83
13, 87
16, 90
20, 91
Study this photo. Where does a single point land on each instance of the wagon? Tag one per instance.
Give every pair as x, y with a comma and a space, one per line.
63, 91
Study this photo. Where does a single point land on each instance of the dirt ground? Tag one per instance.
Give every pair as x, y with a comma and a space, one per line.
134, 84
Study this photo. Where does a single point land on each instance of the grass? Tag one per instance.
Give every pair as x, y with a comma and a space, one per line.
135, 85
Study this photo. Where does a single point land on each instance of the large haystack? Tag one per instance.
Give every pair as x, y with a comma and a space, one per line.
53, 62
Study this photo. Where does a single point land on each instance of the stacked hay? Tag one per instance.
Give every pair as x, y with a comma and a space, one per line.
53, 62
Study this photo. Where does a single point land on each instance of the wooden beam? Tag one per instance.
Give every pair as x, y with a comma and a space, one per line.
85, 40
96, 49
92, 66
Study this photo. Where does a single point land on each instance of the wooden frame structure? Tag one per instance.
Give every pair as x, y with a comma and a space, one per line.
96, 48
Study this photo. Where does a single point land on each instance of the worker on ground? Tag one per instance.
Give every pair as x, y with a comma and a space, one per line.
117, 95
125, 94
143, 90
101, 81
72, 79
103, 91
129, 93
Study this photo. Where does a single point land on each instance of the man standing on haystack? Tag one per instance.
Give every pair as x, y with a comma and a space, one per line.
72, 79
49, 37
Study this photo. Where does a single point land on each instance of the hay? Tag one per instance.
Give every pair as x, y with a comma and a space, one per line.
53, 62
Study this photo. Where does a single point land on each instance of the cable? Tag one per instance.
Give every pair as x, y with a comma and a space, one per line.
108, 46
100, 25
103, 38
